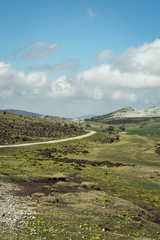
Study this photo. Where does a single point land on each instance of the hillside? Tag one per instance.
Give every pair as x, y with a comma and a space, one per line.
128, 115
23, 113
17, 128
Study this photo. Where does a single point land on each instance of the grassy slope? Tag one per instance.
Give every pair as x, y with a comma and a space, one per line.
95, 202
15, 129
144, 127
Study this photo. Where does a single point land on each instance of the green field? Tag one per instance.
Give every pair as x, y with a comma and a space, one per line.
92, 188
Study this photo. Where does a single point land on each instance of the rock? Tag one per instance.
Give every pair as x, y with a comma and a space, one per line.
105, 229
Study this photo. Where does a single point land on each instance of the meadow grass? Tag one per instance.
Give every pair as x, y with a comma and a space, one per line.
92, 201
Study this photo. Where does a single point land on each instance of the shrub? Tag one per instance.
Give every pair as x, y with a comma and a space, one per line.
117, 137
122, 128
24, 139
73, 126
110, 129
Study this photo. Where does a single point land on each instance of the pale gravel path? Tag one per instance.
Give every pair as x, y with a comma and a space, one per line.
48, 142
12, 208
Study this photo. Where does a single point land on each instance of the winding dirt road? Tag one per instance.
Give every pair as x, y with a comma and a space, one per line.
52, 141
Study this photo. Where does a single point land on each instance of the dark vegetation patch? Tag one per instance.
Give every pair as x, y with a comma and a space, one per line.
110, 139
157, 149
50, 153
120, 120
3, 173
15, 129
105, 137
157, 219
83, 162
48, 185
66, 149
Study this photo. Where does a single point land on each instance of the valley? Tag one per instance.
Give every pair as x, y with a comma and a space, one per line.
104, 186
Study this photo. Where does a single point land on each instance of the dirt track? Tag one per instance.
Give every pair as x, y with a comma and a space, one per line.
48, 142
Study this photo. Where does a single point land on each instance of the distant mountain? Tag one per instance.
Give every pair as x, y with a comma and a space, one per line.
86, 116
128, 114
24, 113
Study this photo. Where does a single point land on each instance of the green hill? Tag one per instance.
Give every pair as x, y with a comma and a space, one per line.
17, 128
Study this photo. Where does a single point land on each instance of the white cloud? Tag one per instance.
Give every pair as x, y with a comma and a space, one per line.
131, 74
107, 76
103, 55
61, 88
37, 50
143, 59
91, 14
118, 95
6, 74
34, 79
17, 82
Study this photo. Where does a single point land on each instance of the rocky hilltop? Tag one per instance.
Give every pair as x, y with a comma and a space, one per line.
127, 115
130, 113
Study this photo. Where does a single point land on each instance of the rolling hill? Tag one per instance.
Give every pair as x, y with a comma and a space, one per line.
128, 114
17, 128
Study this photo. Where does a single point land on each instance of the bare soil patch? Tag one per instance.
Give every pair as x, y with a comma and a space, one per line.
36, 186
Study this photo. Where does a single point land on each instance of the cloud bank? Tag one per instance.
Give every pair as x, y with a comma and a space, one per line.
14, 82
130, 77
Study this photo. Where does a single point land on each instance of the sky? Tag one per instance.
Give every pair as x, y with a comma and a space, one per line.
71, 58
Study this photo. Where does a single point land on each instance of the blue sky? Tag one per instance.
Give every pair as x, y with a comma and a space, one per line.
71, 58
